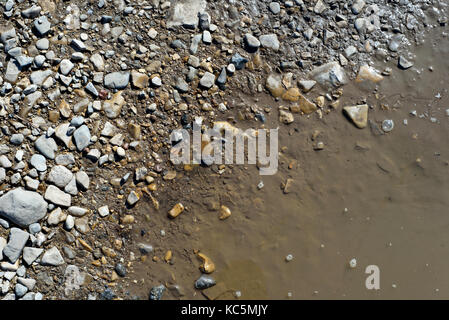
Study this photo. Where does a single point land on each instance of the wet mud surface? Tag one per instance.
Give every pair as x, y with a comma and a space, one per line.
381, 198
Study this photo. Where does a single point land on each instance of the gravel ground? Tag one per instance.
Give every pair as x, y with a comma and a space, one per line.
90, 91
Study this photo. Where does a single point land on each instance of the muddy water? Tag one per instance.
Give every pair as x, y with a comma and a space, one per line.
365, 196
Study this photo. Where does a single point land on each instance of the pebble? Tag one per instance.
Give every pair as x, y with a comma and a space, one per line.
275, 8
403, 63
42, 26
157, 292
52, 257
387, 125
117, 80
120, 269
82, 137
15, 245
176, 210
103, 211
238, 61
251, 42
57, 196
22, 207
204, 282
353, 263
358, 115
39, 162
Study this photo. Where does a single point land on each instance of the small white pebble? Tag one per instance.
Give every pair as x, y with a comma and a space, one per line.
163, 233
289, 258
353, 263
237, 294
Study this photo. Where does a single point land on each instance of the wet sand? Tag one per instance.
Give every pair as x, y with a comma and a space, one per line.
397, 213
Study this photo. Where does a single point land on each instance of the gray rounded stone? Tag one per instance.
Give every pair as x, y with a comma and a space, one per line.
39, 162
22, 207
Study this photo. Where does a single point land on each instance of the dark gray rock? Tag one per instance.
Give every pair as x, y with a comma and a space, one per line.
157, 292
204, 282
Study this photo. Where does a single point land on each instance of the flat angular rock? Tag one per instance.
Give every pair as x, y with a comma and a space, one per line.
42, 26
17, 240
57, 196
12, 71
38, 77
116, 80
358, 115
7, 35
61, 133
71, 188
97, 61
404, 64
56, 216
31, 12
185, 13
269, 41
52, 257
208, 80
368, 73
60, 176
46, 146
65, 159
22, 207
4, 162
3, 245
251, 42
82, 137
31, 254
139, 80
113, 107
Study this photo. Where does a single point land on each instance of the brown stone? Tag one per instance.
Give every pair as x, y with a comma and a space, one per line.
176, 210
64, 109
139, 80
225, 212
358, 115
368, 73
207, 266
53, 116
292, 95
306, 106
134, 130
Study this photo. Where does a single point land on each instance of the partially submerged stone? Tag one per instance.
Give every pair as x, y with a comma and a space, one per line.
368, 73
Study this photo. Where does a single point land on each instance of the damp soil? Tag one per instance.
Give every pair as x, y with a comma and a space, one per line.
382, 199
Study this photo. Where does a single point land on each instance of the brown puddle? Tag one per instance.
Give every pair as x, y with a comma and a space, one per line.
397, 213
